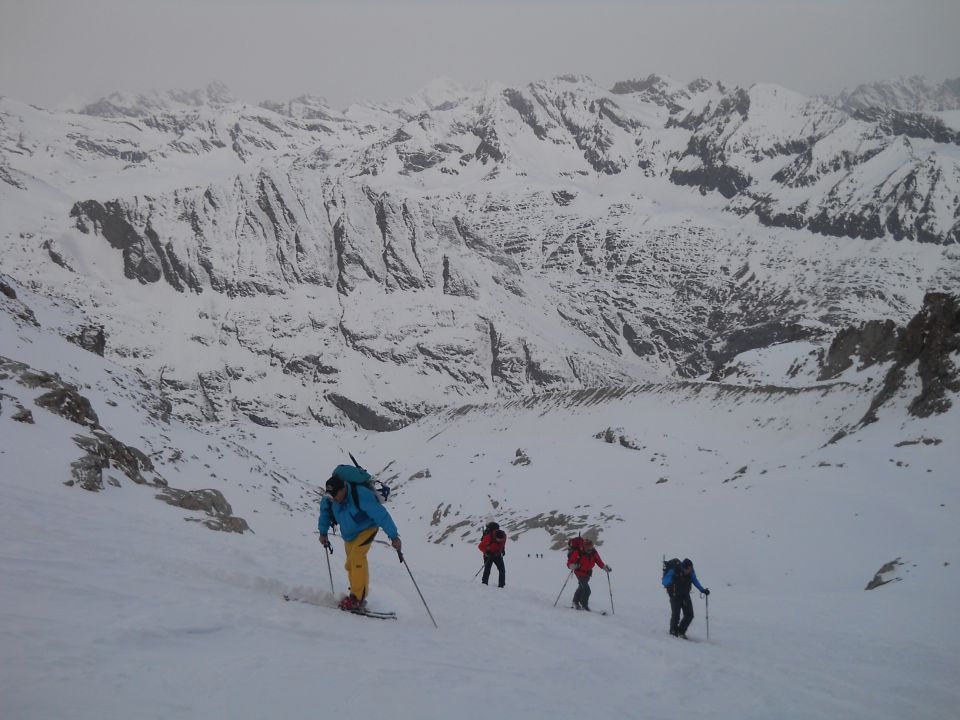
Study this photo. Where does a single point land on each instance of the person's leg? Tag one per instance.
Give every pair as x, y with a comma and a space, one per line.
687, 607
357, 571
487, 564
578, 593
585, 595
675, 604
501, 570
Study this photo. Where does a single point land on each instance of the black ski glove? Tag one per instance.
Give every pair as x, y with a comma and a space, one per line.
706, 591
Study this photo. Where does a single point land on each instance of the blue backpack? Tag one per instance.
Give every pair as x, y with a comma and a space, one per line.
354, 475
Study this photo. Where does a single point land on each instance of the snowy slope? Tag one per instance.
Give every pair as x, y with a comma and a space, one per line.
112, 605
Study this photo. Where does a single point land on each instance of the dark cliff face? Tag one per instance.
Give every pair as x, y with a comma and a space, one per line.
109, 220
927, 347
932, 340
873, 342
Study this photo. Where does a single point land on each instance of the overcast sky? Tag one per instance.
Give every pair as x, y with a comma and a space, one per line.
67, 52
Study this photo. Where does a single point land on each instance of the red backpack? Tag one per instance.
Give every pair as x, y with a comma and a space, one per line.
494, 541
573, 545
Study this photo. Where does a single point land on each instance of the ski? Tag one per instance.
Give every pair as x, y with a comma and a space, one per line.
378, 614
592, 612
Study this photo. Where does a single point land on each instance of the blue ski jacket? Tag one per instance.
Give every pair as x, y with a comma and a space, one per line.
668, 579
352, 519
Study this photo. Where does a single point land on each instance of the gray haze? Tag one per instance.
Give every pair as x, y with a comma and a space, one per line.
59, 53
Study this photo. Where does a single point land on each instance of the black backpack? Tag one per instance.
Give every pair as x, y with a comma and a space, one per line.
668, 565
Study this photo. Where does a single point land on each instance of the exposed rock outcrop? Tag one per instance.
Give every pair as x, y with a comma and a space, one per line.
90, 338
208, 501
872, 342
104, 451
928, 346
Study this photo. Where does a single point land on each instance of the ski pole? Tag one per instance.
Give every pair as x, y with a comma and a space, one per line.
610, 585
563, 588
327, 552
479, 571
706, 599
404, 562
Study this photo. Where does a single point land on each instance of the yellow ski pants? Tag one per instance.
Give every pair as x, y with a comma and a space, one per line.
356, 565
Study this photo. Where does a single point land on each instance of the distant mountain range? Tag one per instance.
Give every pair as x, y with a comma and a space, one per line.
289, 262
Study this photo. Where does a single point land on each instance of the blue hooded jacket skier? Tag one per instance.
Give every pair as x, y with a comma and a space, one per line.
359, 514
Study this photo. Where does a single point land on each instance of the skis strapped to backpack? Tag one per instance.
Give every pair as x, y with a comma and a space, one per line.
354, 475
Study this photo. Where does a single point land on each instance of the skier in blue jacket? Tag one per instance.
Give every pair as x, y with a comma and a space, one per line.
678, 581
359, 514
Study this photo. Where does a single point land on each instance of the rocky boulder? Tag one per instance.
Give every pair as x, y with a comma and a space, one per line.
208, 501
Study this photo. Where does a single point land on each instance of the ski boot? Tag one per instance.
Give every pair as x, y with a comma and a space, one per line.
350, 603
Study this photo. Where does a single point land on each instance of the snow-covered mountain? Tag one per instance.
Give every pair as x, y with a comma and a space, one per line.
288, 262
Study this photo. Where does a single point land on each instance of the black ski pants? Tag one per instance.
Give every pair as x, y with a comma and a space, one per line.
678, 604
582, 595
488, 562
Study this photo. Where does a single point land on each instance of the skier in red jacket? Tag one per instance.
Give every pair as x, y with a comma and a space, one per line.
493, 545
581, 560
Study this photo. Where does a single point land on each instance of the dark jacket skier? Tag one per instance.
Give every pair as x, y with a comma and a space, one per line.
581, 559
678, 580
493, 546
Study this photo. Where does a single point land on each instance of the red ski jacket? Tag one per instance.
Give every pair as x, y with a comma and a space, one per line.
489, 544
584, 562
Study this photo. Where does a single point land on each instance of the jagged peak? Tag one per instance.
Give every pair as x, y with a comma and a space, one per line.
701, 84
138, 104
303, 107
909, 93
653, 81
573, 79
441, 92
